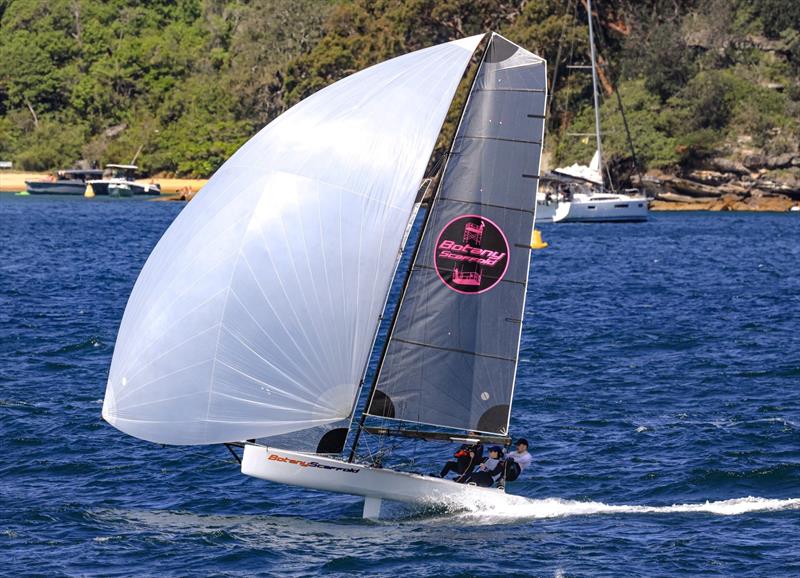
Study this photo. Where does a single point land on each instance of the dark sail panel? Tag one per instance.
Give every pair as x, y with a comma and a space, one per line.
452, 355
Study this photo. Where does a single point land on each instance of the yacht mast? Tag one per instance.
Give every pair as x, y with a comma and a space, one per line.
594, 89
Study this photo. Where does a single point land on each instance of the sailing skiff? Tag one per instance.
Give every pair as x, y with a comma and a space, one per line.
253, 320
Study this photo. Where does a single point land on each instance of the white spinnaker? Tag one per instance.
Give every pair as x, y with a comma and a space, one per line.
255, 313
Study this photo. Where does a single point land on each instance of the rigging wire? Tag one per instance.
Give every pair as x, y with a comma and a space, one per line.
565, 121
558, 60
615, 88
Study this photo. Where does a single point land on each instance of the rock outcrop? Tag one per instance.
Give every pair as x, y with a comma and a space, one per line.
751, 181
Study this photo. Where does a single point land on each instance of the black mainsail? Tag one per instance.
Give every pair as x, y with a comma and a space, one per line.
452, 354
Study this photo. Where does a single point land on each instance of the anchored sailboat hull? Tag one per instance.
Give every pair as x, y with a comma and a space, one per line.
375, 484
597, 209
593, 208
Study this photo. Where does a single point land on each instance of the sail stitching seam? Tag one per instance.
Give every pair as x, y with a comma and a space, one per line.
499, 138
465, 201
454, 350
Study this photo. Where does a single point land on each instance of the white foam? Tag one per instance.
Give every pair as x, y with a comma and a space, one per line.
507, 508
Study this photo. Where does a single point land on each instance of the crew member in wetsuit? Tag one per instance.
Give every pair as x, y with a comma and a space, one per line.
490, 469
467, 457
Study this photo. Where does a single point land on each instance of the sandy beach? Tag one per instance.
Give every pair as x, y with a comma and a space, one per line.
14, 182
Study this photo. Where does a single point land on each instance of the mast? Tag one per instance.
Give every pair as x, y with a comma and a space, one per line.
595, 94
374, 385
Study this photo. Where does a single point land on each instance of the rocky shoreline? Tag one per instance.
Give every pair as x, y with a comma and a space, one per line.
754, 183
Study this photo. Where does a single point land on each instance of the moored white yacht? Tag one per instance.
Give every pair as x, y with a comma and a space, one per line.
577, 193
608, 207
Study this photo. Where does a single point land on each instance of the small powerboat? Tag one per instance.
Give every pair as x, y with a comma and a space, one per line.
64, 182
120, 181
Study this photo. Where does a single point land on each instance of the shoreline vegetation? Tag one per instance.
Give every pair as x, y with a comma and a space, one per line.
710, 89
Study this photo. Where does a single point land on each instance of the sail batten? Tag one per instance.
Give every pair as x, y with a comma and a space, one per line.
452, 356
255, 314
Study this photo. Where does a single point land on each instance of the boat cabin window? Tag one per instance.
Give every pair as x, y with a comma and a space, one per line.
124, 172
591, 207
622, 206
78, 174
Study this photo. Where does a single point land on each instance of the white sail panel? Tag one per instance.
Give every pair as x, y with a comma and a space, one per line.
592, 173
255, 313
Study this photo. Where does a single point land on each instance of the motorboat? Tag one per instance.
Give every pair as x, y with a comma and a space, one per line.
120, 181
64, 182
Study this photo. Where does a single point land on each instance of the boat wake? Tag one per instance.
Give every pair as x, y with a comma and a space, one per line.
508, 508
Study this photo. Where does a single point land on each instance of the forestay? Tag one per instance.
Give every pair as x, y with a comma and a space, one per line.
255, 313
452, 356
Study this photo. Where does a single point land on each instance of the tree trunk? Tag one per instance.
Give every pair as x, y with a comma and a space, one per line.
33, 113
608, 88
76, 13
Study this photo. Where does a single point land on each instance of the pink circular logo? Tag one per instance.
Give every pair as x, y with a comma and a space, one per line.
471, 254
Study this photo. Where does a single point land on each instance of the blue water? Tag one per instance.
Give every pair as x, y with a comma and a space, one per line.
660, 370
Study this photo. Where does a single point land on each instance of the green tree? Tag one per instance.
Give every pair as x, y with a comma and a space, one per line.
779, 15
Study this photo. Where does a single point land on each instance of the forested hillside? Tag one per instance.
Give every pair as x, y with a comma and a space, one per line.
188, 81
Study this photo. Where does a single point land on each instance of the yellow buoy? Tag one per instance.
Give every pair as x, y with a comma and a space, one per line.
89, 192
536, 240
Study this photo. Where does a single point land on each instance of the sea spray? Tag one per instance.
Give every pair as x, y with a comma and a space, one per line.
504, 508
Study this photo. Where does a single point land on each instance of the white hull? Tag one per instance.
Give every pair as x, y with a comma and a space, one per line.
593, 209
545, 212
327, 474
604, 210
122, 188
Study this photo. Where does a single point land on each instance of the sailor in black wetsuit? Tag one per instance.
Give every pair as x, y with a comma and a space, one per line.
489, 470
467, 457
